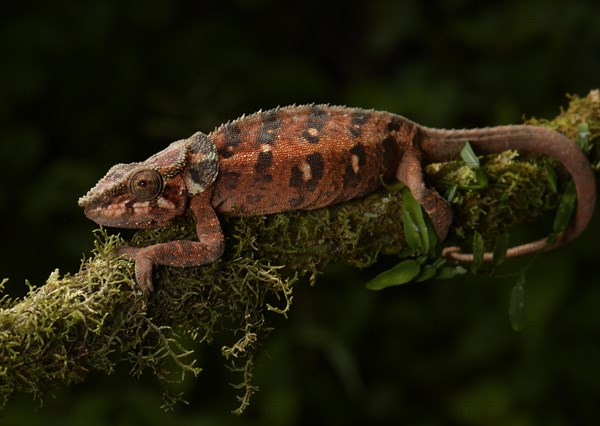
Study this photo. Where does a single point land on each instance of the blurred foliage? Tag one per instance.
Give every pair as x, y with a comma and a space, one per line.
86, 84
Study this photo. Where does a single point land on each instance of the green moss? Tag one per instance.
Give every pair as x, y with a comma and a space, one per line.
97, 317
518, 192
518, 189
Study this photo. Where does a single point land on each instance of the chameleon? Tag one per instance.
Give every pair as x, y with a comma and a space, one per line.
301, 158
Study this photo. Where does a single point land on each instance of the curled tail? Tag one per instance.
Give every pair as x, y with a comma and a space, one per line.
443, 145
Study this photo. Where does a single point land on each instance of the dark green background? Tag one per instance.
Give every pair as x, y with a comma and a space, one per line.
87, 84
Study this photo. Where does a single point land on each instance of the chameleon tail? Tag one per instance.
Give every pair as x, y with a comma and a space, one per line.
444, 145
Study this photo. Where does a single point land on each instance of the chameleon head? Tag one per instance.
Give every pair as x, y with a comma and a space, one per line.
150, 193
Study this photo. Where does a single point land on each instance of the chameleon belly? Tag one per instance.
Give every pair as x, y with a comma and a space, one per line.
303, 158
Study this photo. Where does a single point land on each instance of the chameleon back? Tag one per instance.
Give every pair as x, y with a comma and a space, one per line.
304, 157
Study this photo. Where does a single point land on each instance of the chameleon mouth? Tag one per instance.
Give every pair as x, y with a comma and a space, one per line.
132, 214
104, 215
119, 216
110, 211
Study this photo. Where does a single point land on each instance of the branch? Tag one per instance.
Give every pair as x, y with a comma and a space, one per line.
97, 317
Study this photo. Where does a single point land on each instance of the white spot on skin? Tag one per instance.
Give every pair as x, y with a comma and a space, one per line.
116, 209
163, 203
265, 148
306, 171
355, 167
312, 131
141, 208
113, 210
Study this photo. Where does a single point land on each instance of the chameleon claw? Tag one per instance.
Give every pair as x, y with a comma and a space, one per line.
143, 266
143, 274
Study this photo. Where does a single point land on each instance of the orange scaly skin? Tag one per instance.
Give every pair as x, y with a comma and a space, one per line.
302, 158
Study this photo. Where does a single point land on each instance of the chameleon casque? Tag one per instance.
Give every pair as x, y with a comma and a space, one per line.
302, 158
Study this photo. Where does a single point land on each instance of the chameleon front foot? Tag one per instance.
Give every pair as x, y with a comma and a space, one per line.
179, 253
143, 266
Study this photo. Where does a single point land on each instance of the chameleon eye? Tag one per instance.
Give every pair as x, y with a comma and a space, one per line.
145, 185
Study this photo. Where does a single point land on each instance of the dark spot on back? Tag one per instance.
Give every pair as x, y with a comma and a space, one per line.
264, 178
358, 119
265, 159
226, 152
296, 180
417, 139
394, 124
350, 179
389, 153
316, 120
269, 122
317, 167
355, 131
359, 151
230, 180
296, 202
317, 117
389, 146
264, 137
233, 137
253, 199
310, 138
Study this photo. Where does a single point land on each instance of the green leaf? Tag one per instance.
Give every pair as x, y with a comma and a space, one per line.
411, 232
450, 272
500, 249
469, 157
516, 306
451, 193
416, 229
551, 178
565, 209
402, 273
478, 251
583, 137
433, 239
427, 273
481, 179
439, 262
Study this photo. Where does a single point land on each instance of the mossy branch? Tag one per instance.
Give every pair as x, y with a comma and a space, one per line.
97, 317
